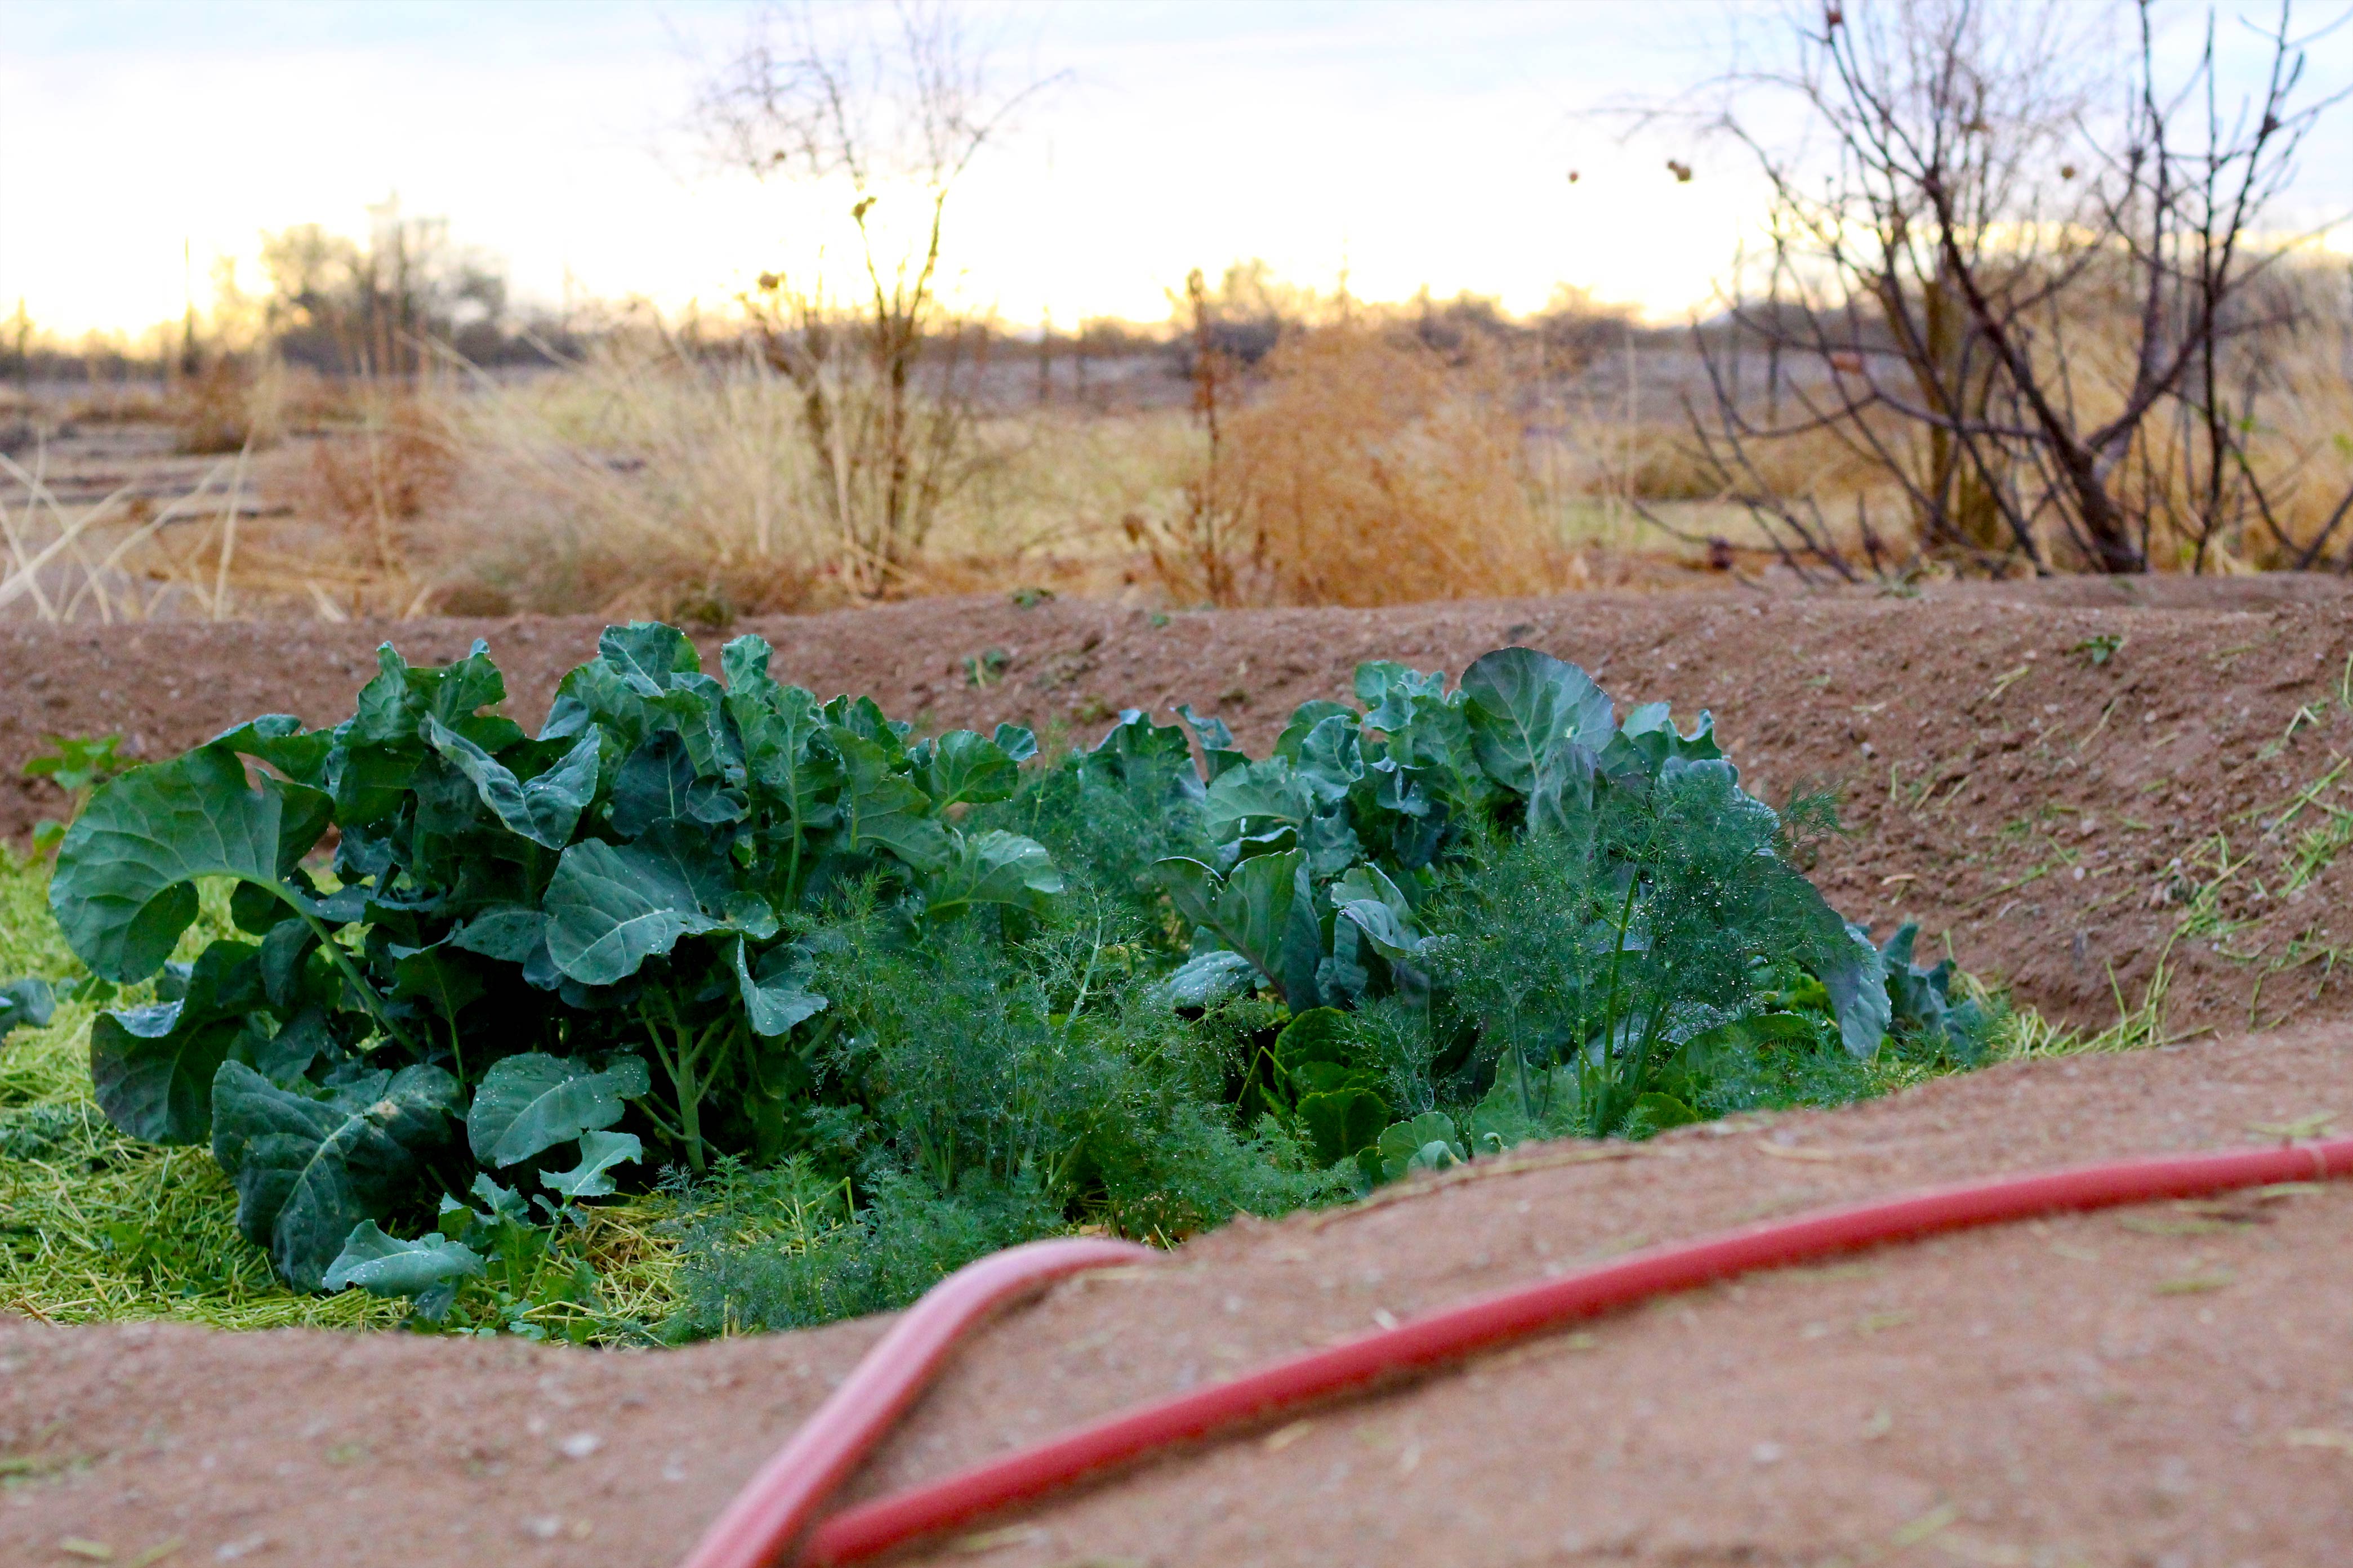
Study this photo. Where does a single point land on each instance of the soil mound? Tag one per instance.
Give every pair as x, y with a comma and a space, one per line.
2163, 1385
2038, 772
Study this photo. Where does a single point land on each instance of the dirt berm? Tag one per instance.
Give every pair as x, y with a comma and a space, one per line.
2023, 765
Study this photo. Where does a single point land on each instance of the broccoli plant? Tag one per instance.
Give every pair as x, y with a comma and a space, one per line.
1562, 902
530, 955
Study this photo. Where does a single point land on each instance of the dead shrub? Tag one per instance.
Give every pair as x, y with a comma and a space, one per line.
234, 403
1364, 468
396, 464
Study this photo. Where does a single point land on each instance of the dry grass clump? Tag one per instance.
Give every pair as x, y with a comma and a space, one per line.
393, 459
643, 479
236, 403
1363, 469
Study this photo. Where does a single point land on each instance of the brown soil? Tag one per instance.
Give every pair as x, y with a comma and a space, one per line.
2170, 1384
2024, 805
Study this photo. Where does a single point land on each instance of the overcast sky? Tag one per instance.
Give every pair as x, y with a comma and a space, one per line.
1409, 144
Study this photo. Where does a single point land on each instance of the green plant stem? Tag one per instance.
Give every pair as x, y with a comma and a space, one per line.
368, 998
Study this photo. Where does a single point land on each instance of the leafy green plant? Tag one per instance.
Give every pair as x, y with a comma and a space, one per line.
76, 764
985, 669
2099, 647
1553, 895
28, 1003
519, 940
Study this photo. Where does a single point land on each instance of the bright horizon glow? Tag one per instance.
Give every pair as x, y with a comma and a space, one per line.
1398, 146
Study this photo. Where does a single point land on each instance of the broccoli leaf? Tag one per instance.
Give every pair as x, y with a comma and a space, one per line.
775, 996
966, 768
611, 907
152, 1068
1341, 1121
309, 1171
1522, 705
1251, 911
125, 888
27, 1004
544, 809
599, 1152
532, 1101
382, 1265
995, 867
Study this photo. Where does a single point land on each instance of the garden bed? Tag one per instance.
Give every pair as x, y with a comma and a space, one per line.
2125, 802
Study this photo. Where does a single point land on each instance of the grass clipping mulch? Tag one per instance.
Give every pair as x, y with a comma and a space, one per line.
99, 1227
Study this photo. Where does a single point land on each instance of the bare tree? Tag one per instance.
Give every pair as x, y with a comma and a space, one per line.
2024, 288
897, 112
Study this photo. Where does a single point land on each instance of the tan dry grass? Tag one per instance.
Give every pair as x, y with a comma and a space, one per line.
1363, 469
642, 479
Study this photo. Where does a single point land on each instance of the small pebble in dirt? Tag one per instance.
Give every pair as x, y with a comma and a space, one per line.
1768, 1453
580, 1445
545, 1527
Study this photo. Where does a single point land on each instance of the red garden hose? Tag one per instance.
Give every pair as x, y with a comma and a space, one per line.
767, 1516
770, 1513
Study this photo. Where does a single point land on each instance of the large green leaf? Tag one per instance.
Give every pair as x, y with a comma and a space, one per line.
880, 806
544, 808
280, 740
1854, 973
532, 1101
1265, 791
1217, 751
968, 768
1018, 742
386, 1265
649, 654
152, 1068
790, 762
599, 1152
1341, 1121
1427, 1143
1250, 911
401, 697
153, 1078
1316, 1035
774, 993
309, 1171
125, 888
1391, 693
611, 907
1331, 759
1146, 757
995, 867
1522, 705
1303, 721
1208, 979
